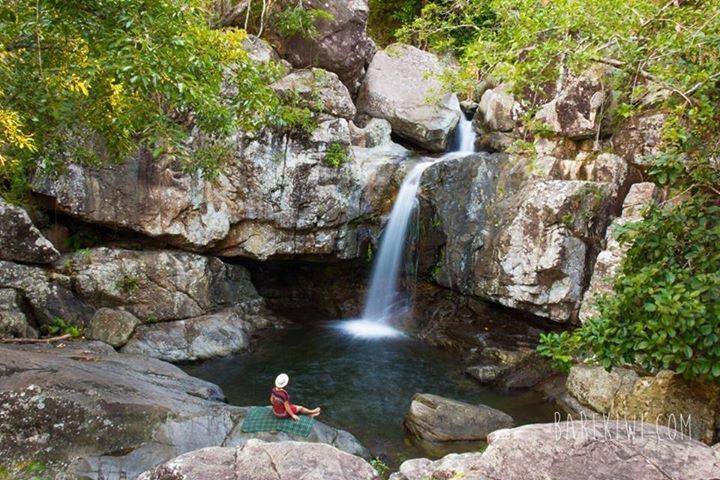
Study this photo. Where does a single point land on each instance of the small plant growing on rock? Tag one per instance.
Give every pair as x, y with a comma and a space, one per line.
335, 156
380, 467
128, 283
60, 326
300, 21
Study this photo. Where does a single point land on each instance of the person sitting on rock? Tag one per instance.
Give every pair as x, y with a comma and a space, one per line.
280, 401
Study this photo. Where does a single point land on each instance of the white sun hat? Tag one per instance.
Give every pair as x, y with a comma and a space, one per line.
282, 380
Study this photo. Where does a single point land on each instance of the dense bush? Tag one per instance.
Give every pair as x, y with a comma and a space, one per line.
119, 72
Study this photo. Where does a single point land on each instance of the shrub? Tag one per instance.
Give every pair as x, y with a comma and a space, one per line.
336, 155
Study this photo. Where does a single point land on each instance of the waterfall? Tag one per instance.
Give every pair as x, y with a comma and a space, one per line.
385, 298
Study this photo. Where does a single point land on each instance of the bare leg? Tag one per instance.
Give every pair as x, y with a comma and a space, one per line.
306, 411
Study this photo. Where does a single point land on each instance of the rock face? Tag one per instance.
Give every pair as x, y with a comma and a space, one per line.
402, 86
510, 368
160, 285
341, 44
439, 419
582, 108
607, 263
666, 399
13, 320
214, 335
20, 241
278, 196
319, 90
257, 460
48, 294
114, 327
90, 412
516, 237
574, 450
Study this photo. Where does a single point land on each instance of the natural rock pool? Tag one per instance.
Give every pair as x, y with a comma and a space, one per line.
363, 386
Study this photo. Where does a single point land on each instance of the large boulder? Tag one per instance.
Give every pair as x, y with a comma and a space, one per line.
510, 237
160, 285
114, 327
257, 460
402, 85
576, 450
14, 321
318, 90
88, 412
607, 263
582, 108
440, 419
277, 196
48, 294
20, 241
667, 399
519, 367
215, 335
341, 44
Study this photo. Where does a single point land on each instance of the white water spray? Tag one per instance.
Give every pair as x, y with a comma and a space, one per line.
384, 299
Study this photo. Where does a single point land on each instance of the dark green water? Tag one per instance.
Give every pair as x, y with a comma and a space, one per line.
363, 386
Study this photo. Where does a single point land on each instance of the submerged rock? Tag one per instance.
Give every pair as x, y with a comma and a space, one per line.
88, 412
510, 368
20, 241
257, 460
576, 450
439, 419
403, 86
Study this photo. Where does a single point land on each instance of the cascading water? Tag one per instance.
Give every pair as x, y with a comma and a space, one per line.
384, 299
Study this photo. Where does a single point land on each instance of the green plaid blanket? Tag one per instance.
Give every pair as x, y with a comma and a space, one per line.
261, 419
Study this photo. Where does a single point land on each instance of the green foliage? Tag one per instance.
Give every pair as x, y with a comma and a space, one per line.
336, 155
382, 468
297, 20
24, 471
387, 16
448, 25
60, 326
665, 312
90, 81
128, 283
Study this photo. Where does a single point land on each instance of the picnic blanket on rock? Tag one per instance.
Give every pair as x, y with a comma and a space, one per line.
261, 419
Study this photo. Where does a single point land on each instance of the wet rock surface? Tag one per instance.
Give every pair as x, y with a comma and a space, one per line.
439, 419
89, 412
257, 460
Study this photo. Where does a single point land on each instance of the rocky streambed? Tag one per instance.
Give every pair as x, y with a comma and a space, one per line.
152, 265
